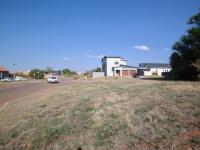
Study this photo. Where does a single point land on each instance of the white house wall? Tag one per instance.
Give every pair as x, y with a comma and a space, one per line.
123, 62
148, 73
159, 71
111, 63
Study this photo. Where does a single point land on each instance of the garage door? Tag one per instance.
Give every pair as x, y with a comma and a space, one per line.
133, 73
124, 72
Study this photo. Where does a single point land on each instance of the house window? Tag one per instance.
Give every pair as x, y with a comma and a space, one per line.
116, 63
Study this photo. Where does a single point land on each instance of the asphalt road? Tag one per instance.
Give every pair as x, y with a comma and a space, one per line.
28, 88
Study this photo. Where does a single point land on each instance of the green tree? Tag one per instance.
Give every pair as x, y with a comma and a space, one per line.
98, 69
37, 74
184, 60
68, 72
49, 69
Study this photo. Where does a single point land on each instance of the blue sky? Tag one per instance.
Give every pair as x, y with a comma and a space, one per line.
75, 34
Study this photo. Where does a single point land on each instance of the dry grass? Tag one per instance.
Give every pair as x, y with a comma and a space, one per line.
106, 114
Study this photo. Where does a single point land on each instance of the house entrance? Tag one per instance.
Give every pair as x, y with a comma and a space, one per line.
117, 72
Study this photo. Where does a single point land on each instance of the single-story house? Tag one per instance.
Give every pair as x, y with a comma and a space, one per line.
150, 69
3, 72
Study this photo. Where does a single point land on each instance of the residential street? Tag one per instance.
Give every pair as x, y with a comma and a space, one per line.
28, 88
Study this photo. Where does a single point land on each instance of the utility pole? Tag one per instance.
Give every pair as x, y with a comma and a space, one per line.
14, 73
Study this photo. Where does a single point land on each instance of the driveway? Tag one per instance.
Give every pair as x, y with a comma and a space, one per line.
28, 88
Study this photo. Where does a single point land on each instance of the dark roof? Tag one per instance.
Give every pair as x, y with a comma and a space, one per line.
154, 65
125, 66
111, 57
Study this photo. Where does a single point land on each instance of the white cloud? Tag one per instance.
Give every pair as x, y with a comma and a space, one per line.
67, 58
166, 49
142, 47
94, 56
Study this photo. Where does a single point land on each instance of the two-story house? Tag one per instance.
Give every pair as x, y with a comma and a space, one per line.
117, 66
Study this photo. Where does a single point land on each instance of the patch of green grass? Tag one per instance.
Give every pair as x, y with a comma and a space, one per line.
15, 132
105, 133
162, 132
142, 109
114, 116
37, 141
42, 106
196, 114
56, 121
80, 116
52, 132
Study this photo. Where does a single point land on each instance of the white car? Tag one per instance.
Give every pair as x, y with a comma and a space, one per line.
17, 78
6, 80
53, 79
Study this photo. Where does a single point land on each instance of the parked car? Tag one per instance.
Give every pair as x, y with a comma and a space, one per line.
6, 80
53, 79
17, 78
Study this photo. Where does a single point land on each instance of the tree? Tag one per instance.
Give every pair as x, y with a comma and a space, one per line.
185, 58
68, 72
49, 69
37, 74
98, 69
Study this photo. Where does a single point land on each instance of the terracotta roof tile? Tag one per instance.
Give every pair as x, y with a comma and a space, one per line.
3, 69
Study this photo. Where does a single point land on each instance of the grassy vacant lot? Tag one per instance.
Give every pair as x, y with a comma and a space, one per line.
106, 114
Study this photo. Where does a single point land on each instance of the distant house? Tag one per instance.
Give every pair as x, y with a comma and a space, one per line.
149, 69
3, 72
117, 66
